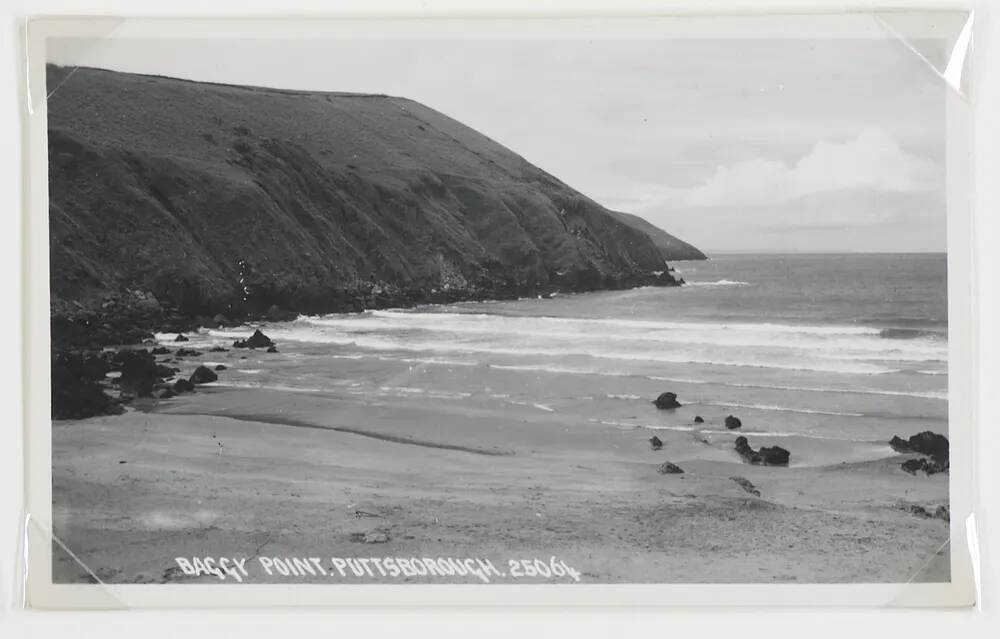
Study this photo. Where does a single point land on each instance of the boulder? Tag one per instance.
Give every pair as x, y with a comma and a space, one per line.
180, 338
187, 352
698, 419
220, 367
203, 375
666, 401
733, 422
167, 393
774, 455
272, 349
257, 340
160, 350
218, 349
655, 443
183, 386
666, 468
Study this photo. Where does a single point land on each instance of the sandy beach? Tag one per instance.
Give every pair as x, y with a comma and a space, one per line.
301, 474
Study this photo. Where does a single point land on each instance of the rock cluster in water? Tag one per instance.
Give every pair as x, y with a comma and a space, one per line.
766, 456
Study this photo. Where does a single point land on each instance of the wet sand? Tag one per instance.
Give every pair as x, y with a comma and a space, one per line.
308, 474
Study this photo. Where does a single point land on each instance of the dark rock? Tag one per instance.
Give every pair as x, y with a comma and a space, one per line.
746, 485
272, 349
928, 466
931, 444
164, 371
655, 442
76, 393
666, 401
927, 443
733, 422
257, 340
220, 367
767, 456
218, 349
899, 444
774, 455
187, 352
180, 338
942, 512
203, 375
139, 371
748, 454
666, 468
167, 393
160, 350
183, 386
913, 465
698, 419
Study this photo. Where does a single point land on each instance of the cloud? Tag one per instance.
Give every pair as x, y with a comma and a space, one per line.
873, 161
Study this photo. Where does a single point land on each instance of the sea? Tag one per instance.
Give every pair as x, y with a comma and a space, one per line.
828, 355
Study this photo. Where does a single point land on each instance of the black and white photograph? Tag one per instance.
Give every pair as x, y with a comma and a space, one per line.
543, 304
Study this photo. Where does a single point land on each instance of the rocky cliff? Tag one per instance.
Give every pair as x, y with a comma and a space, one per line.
184, 199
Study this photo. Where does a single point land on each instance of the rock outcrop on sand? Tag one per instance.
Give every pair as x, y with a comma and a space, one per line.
698, 419
236, 203
89, 384
666, 401
767, 455
733, 422
655, 443
667, 468
935, 446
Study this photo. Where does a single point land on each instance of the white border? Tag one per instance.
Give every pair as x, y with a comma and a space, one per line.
41, 593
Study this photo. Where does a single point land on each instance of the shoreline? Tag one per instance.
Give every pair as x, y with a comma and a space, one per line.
175, 479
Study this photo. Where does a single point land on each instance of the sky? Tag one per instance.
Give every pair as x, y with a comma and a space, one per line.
797, 144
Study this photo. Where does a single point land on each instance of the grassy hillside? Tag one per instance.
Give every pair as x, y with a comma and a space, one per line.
671, 247
204, 198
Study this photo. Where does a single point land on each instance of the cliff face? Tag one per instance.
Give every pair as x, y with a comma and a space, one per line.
208, 199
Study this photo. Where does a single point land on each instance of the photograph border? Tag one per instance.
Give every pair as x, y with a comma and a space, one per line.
40, 592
